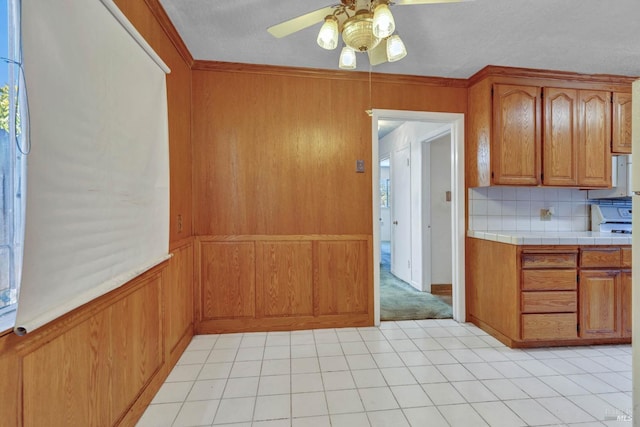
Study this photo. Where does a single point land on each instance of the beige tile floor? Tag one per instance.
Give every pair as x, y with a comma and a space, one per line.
409, 373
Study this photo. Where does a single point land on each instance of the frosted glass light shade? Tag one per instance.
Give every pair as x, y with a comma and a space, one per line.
347, 58
383, 23
328, 35
395, 48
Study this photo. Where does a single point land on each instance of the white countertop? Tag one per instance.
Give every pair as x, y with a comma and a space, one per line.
552, 238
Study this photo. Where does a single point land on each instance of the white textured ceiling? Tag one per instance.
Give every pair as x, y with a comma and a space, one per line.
448, 40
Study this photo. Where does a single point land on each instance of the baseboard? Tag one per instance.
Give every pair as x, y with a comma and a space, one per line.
441, 289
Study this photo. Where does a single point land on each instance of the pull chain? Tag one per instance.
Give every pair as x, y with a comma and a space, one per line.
370, 110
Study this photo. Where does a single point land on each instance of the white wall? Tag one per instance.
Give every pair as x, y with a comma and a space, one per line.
412, 134
440, 181
518, 209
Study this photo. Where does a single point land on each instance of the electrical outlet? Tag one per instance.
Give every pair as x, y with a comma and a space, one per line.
545, 214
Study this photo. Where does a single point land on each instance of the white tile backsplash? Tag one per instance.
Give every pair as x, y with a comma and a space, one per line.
518, 209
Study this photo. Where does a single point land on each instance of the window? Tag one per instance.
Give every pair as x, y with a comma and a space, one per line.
384, 183
384, 193
98, 171
13, 150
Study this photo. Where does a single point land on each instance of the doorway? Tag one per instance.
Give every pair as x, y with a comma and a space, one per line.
453, 123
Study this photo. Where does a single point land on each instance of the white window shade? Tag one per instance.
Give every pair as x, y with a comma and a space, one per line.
98, 174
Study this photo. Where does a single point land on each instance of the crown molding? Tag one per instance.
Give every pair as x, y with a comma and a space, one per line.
235, 67
170, 30
565, 76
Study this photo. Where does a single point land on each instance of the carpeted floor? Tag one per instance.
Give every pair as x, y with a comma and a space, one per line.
401, 301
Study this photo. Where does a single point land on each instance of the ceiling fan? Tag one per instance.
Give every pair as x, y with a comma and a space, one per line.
365, 25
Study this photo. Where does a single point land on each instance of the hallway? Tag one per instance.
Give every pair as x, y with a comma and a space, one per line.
401, 301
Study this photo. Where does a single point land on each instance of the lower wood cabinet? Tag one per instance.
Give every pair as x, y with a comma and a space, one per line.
605, 304
600, 313
625, 303
549, 302
548, 298
529, 296
605, 292
549, 326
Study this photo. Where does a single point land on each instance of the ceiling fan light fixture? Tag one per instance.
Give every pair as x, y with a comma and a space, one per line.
347, 58
383, 23
396, 49
329, 34
357, 32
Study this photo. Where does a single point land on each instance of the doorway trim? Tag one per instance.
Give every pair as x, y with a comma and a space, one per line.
458, 230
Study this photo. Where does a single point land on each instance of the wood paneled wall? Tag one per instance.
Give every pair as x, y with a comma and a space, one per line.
262, 283
89, 374
283, 219
179, 296
276, 149
102, 363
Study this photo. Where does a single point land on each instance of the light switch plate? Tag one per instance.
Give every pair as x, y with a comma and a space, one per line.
360, 166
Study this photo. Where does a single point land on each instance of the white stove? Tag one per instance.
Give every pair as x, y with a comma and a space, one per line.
611, 218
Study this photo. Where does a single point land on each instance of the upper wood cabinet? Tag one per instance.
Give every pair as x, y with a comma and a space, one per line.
561, 136
575, 146
516, 142
621, 137
533, 127
594, 138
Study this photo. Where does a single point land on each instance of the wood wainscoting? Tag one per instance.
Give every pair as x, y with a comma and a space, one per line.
101, 364
268, 282
118, 348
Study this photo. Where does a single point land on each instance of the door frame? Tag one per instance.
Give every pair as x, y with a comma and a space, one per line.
458, 230
427, 239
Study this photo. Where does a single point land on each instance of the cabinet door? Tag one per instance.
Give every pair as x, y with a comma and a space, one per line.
560, 157
594, 148
515, 157
621, 138
599, 308
625, 303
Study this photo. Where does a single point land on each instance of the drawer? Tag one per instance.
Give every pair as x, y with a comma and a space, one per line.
549, 326
600, 257
550, 302
549, 280
550, 260
626, 258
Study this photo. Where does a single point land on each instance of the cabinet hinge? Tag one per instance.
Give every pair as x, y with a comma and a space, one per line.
542, 177
577, 278
578, 328
542, 94
492, 174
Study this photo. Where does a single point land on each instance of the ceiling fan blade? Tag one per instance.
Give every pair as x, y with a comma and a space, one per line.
412, 2
378, 55
300, 23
